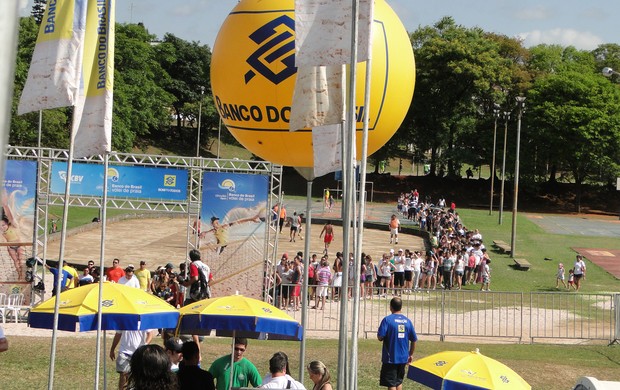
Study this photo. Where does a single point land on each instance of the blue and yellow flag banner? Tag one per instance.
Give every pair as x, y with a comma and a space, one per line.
92, 117
54, 75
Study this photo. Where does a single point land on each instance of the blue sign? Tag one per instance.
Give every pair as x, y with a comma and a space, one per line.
123, 181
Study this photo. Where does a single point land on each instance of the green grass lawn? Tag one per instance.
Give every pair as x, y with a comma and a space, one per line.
534, 244
26, 364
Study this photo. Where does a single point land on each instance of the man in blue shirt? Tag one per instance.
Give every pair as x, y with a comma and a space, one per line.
65, 275
398, 336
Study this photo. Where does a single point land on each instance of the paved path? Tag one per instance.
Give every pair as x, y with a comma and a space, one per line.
578, 225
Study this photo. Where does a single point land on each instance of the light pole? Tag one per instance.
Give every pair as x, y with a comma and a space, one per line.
496, 115
513, 239
202, 92
501, 192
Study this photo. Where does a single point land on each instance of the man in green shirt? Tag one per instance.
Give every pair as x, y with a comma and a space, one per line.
244, 372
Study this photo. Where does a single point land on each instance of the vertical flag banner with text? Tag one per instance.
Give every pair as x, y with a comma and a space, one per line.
323, 42
92, 116
323, 31
54, 75
318, 98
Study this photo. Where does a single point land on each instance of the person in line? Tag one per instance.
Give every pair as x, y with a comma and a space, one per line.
4, 343
129, 341
75, 280
328, 231
150, 370
86, 277
278, 368
190, 375
244, 372
116, 272
129, 279
319, 375
324, 278
398, 335
56, 273
144, 276
174, 349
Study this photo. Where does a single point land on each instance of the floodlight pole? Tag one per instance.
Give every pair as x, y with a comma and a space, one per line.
496, 115
501, 193
513, 240
202, 93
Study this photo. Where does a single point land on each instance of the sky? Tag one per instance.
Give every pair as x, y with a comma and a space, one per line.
583, 24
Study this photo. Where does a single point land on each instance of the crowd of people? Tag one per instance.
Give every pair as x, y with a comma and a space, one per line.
177, 366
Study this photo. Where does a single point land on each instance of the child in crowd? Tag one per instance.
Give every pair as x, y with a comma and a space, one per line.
571, 279
559, 277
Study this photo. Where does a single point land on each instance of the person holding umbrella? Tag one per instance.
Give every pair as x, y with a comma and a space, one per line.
245, 372
399, 337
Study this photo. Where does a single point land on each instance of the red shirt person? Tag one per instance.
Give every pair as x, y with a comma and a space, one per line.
116, 272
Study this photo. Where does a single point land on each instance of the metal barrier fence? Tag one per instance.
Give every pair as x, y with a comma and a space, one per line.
514, 316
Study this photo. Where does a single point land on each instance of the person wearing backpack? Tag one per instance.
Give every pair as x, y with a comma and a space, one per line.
199, 278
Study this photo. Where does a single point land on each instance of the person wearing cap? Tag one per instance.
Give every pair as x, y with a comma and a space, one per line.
174, 350
169, 269
144, 276
129, 279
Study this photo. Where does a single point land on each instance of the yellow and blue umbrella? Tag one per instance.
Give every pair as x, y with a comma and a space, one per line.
239, 314
464, 370
123, 308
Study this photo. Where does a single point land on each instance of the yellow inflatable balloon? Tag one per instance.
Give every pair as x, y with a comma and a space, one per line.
253, 77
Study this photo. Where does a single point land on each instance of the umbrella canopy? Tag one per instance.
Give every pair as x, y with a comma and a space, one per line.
464, 370
123, 308
237, 313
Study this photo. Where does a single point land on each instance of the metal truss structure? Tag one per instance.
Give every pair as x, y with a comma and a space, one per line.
190, 207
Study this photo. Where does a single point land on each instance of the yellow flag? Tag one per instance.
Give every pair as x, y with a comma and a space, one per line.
54, 74
92, 117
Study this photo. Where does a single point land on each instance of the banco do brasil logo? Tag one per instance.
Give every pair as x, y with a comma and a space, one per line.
276, 42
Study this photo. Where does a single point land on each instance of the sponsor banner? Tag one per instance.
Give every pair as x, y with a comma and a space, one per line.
92, 116
56, 67
17, 224
233, 229
123, 181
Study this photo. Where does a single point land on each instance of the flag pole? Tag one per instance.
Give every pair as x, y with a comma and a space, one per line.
9, 24
104, 208
360, 227
63, 237
349, 176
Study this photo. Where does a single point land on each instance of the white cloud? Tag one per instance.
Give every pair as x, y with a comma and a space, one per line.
582, 40
538, 12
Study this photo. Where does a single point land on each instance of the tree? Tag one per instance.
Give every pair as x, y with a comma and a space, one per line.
188, 65
577, 115
141, 104
458, 69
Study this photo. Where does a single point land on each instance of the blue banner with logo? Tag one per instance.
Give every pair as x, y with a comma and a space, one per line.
17, 224
123, 181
